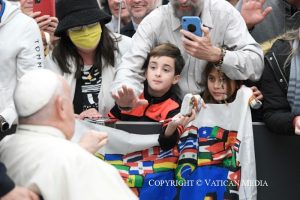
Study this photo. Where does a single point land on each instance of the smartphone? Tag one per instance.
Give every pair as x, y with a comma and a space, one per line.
192, 24
47, 7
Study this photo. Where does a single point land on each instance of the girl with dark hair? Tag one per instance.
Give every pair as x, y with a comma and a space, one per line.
218, 87
87, 55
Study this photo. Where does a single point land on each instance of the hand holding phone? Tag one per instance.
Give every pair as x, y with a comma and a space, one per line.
46, 7
192, 24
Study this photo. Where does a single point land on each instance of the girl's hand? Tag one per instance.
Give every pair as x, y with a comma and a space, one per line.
257, 93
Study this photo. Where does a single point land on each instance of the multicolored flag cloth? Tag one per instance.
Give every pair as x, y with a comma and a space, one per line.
214, 158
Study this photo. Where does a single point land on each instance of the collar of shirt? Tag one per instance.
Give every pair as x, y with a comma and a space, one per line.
205, 17
135, 25
40, 130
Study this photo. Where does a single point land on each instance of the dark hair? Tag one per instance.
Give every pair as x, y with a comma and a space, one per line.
207, 97
169, 50
66, 50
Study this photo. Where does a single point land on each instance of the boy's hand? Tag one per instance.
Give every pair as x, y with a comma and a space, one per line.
91, 113
183, 120
125, 97
179, 120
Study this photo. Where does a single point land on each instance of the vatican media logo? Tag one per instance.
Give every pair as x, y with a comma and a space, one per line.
209, 182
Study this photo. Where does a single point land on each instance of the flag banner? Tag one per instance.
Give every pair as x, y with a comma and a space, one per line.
214, 158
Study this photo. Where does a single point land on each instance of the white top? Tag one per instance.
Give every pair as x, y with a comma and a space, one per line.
106, 102
227, 27
21, 50
39, 157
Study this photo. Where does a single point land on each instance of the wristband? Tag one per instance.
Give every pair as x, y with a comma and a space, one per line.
220, 62
125, 108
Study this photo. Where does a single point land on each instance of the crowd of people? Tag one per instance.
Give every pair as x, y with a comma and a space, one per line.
131, 60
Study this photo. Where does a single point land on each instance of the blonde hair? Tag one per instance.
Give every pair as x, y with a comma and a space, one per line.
291, 36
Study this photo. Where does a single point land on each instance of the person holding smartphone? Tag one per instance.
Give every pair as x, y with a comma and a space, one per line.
47, 23
20, 52
225, 42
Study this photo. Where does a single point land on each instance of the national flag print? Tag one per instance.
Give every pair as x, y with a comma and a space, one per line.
114, 159
133, 157
204, 132
190, 130
203, 148
231, 139
221, 155
135, 181
217, 132
151, 153
188, 154
205, 158
190, 143
217, 147
235, 176
123, 170
183, 171
236, 145
99, 155
141, 168
165, 164
170, 153
231, 162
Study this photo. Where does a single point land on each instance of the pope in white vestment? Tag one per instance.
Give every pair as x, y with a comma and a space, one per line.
41, 157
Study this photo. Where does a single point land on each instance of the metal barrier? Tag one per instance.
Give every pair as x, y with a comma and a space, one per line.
277, 163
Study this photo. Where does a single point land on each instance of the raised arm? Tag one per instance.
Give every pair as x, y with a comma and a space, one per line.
253, 12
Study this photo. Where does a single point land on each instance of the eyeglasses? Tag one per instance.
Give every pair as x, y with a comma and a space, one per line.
79, 28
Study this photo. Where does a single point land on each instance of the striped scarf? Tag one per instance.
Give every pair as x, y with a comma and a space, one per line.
293, 94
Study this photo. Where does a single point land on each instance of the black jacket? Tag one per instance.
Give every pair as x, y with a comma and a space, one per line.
6, 184
274, 86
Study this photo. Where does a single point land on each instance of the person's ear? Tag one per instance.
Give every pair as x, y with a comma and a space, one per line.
176, 79
60, 106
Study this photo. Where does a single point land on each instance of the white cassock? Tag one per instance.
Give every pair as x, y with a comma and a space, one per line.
39, 157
